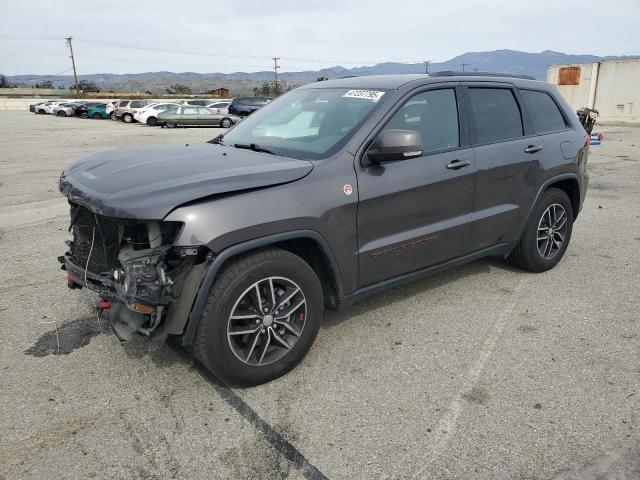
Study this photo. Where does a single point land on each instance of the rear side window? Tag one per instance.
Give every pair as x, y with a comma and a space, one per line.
136, 104
544, 112
496, 114
123, 104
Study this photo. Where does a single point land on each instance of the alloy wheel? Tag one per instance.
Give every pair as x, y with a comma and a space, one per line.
266, 321
552, 231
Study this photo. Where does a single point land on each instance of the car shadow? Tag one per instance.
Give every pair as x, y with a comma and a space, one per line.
410, 289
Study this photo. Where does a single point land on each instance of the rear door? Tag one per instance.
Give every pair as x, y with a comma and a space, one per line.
189, 116
416, 213
206, 117
510, 160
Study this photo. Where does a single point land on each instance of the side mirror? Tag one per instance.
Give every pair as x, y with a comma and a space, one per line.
394, 145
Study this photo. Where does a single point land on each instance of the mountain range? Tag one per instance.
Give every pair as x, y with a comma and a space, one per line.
239, 83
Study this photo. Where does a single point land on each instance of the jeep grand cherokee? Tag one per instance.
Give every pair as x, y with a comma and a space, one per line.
332, 192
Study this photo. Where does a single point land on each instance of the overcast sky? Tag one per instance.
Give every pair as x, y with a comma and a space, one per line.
242, 35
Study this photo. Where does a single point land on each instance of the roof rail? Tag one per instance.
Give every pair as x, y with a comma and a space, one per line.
451, 73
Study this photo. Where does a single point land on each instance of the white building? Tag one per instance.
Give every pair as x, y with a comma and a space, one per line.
612, 87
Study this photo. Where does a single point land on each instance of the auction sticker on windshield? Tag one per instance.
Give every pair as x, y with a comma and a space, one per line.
364, 94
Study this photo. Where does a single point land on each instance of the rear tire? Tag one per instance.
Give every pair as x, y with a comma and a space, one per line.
547, 233
226, 123
258, 357
61, 114
170, 125
152, 121
127, 118
85, 115
113, 116
97, 116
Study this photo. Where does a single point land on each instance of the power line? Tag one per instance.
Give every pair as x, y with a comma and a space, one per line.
32, 37
218, 54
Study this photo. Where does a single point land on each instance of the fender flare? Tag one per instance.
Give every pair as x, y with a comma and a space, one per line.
193, 320
543, 187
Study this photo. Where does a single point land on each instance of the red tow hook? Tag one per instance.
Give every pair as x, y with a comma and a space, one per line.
104, 304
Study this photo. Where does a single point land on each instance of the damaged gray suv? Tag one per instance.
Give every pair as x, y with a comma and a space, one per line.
332, 192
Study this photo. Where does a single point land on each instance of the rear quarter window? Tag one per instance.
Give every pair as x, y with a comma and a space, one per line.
496, 114
545, 114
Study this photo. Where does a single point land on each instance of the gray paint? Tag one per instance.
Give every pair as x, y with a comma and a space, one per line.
402, 218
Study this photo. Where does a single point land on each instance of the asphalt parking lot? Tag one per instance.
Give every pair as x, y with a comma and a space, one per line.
482, 372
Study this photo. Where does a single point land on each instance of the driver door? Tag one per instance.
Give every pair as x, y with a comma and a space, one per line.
416, 213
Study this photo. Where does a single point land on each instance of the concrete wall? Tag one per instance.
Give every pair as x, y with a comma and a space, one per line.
618, 94
612, 87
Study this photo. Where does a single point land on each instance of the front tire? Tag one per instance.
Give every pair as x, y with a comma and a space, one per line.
113, 116
547, 233
127, 118
261, 317
97, 116
61, 114
84, 115
226, 123
152, 121
170, 125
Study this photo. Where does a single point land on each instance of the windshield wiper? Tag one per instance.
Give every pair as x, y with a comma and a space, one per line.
256, 148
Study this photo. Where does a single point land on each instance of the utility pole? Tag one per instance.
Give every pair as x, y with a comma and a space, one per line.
73, 64
464, 65
426, 66
275, 69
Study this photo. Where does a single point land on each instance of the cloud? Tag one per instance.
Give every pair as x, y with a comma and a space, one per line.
306, 35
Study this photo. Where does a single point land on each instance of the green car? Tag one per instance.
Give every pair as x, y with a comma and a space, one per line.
98, 112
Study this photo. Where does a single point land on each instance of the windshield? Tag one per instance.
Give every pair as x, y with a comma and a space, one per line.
310, 123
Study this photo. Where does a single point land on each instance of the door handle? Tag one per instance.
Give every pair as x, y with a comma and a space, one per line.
456, 164
533, 148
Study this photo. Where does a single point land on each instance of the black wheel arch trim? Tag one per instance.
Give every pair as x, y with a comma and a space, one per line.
228, 253
546, 184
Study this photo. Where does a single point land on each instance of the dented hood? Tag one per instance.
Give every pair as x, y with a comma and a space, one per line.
149, 182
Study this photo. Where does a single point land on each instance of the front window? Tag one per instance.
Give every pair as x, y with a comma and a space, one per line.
310, 123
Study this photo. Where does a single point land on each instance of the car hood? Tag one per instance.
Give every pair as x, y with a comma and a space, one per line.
149, 182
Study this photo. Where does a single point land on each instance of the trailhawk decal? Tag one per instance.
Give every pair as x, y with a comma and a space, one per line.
364, 95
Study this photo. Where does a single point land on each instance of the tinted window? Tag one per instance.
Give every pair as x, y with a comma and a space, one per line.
495, 113
434, 115
136, 104
123, 104
544, 112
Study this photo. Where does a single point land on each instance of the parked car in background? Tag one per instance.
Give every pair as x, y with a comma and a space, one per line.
243, 106
83, 109
125, 109
110, 109
97, 112
192, 116
34, 106
49, 106
220, 106
194, 101
149, 114
65, 109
